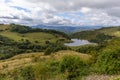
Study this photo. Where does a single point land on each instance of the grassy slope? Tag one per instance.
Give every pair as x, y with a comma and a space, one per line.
12, 35
4, 27
112, 31
39, 36
27, 59
23, 60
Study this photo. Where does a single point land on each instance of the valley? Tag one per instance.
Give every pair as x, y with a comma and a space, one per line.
41, 54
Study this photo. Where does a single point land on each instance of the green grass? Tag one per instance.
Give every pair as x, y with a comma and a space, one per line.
13, 35
112, 31
91, 34
41, 37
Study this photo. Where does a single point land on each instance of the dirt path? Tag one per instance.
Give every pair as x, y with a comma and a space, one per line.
101, 77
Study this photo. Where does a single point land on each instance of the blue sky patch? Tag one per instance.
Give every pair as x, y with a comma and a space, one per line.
20, 8
7, 1
71, 15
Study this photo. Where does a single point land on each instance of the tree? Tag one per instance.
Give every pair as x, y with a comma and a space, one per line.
36, 41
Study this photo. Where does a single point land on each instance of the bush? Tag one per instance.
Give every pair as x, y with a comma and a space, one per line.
72, 66
88, 49
40, 71
20, 28
101, 37
54, 47
48, 51
108, 62
27, 73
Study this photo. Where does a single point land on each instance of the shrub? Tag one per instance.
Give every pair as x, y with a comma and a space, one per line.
108, 62
48, 51
72, 66
41, 71
101, 37
20, 28
27, 73
88, 49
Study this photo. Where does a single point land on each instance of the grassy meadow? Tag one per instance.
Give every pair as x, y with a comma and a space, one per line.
41, 37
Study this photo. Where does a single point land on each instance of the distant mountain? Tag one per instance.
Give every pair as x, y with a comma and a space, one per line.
67, 29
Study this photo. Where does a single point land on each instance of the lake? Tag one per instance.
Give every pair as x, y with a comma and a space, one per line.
78, 42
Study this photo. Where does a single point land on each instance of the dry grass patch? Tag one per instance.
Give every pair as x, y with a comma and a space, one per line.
60, 54
27, 55
4, 27
12, 64
18, 61
32, 58
117, 34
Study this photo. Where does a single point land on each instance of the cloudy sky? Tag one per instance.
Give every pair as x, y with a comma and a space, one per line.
61, 12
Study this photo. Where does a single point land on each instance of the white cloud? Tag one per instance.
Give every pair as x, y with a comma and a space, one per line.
85, 10
73, 12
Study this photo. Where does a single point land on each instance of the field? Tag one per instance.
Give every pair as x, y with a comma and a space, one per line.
36, 36
25, 59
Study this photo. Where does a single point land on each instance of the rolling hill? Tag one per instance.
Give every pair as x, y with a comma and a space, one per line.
91, 35
16, 39
28, 59
39, 54
41, 36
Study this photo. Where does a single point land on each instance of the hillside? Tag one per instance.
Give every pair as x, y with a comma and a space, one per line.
39, 54
14, 64
40, 36
97, 35
21, 61
17, 39
28, 59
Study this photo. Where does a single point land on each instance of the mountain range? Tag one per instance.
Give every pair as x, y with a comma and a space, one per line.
67, 29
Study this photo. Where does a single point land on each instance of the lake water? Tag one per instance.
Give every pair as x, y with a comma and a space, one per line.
78, 42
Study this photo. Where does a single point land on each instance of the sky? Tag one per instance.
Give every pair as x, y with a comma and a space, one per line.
61, 12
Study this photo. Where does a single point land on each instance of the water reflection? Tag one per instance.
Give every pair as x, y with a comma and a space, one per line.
78, 42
